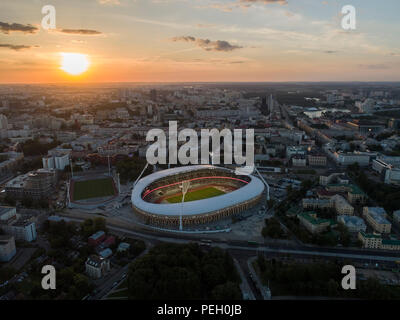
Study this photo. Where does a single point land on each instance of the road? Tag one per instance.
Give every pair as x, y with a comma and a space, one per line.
302, 250
108, 284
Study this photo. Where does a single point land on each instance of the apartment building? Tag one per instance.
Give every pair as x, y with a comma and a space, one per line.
376, 218
7, 248
312, 223
369, 240
375, 241
21, 227
317, 160
353, 223
36, 185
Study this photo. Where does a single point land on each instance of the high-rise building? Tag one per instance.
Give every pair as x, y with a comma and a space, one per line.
3, 122
270, 103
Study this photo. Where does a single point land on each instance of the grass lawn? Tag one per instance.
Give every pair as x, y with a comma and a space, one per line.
93, 189
197, 195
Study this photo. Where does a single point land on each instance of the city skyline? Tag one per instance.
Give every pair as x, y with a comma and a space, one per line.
193, 41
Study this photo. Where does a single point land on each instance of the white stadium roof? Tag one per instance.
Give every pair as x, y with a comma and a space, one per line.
254, 188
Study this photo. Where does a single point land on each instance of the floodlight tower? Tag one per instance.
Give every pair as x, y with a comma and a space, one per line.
72, 166
185, 188
68, 195
109, 168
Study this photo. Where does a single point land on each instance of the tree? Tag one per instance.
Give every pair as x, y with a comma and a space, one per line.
226, 291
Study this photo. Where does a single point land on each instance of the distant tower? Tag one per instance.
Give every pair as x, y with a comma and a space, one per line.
185, 188
118, 183
109, 167
150, 110
270, 103
264, 105
3, 122
68, 195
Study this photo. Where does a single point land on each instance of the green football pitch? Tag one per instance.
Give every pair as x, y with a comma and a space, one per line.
88, 189
197, 195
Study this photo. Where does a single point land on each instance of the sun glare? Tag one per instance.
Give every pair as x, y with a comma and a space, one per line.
74, 63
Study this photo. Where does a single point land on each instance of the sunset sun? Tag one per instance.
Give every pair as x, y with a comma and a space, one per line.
74, 63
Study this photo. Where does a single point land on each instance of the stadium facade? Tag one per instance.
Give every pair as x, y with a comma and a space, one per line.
151, 195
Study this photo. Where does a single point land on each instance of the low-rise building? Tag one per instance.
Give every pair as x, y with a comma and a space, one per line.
96, 238
336, 177
22, 227
97, 267
35, 185
375, 241
311, 203
376, 217
353, 223
396, 216
370, 240
354, 193
312, 223
341, 205
389, 244
7, 248
299, 161
123, 246
318, 160
105, 253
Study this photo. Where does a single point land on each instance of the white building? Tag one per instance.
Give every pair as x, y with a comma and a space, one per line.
22, 228
3, 122
376, 217
56, 161
348, 158
97, 267
392, 176
7, 248
379, 165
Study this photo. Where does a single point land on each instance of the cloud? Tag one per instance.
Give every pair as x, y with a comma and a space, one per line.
109, 2
16, 47
208, 45
17, 27
86, 32
373, 66
281, 2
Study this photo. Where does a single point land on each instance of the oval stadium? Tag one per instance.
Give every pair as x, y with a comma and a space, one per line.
215, 193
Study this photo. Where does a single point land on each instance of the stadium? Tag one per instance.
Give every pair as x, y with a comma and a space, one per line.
215, 193
92, 191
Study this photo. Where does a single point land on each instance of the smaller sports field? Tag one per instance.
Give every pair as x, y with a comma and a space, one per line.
205, 193
97, 188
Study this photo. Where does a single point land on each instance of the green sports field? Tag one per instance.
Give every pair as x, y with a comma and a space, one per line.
197, 195
93, 189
